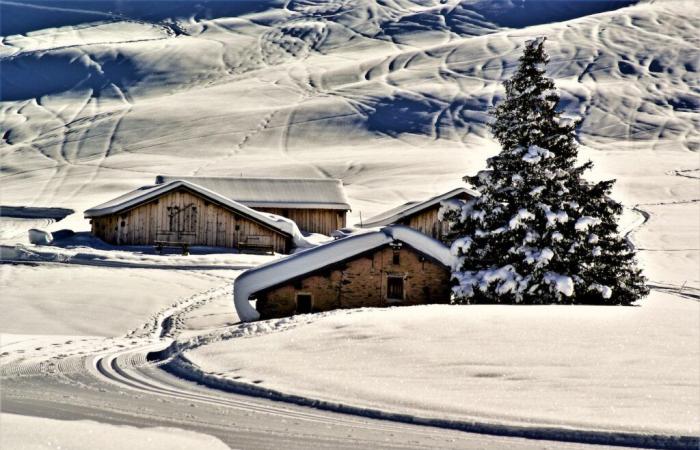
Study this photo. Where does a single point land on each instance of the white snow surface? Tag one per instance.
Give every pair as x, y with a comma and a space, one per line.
307, 261
536, 154
592, 367
35, 433
585, 222
397, 112
92, 301
321, 193
563, 284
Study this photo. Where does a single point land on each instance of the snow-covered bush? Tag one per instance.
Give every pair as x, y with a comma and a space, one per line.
539, 233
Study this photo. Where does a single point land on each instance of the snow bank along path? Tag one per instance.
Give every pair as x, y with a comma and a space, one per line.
312, 259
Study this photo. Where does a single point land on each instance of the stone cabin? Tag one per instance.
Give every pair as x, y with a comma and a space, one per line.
391, 267
420, 215
316, 205
186, 213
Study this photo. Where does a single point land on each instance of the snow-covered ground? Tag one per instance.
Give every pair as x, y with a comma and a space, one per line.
93, 301
33, 433
390, 97
632, 368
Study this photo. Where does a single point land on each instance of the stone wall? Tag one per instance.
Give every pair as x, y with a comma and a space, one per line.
362, 281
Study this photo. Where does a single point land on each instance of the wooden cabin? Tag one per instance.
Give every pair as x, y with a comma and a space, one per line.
316, 205
391, 267
183, 213
420, 215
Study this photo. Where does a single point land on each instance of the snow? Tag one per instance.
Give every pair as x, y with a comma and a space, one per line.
537, 191
586, 222
562, 284
604, 290
593, 367
538, 258
397, 114
461, 244
517, 220
535, 154
92, 301
39, 237
307, 261
553, 217
505, 278
25, 432
320, 193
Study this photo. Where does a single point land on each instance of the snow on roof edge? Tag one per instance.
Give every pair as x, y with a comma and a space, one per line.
311, 260
385, 218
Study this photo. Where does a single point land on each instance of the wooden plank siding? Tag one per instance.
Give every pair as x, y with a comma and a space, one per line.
427, 222
323, 221
211, 224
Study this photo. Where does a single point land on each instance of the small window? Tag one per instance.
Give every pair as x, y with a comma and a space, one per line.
396, 259
304, 303
394, 288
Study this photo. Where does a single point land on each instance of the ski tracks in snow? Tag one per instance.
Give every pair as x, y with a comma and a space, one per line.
682, 290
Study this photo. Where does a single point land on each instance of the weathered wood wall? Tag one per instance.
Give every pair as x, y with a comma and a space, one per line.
427, 221
211, 224
362, 282
323, 221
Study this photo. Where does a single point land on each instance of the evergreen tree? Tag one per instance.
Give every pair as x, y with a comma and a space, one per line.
539, 233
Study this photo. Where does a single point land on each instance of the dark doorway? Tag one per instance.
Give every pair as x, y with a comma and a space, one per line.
394, 288
303, 303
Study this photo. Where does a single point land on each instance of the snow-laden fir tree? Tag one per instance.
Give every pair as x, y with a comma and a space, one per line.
539, 233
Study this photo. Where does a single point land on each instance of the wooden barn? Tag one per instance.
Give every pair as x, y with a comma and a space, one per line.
316, 205
394, 266
183, 213
420, 215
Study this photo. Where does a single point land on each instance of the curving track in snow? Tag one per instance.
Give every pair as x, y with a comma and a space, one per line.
117, 383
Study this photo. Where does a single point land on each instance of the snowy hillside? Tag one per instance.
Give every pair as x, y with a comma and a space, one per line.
117, 93
390, 97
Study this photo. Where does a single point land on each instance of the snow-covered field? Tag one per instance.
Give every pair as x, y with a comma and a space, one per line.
584, 367
20, 432
99, 97
94, 301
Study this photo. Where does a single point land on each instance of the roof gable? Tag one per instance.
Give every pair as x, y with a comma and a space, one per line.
312, 193
145, 194
325, 255
411, 208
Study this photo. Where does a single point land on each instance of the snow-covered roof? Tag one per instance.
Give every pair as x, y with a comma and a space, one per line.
314, 193
394, 215
147, 193
305, 262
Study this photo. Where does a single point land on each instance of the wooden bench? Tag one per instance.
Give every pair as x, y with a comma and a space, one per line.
263, 243
160, 245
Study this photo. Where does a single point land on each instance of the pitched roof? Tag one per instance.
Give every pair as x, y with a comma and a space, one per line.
147, 193
314, 193
413, 207
305, 262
